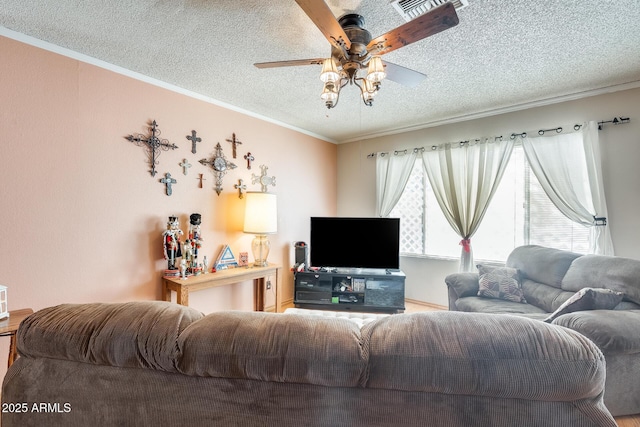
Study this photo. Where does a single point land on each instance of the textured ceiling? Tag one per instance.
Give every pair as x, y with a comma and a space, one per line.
502, 55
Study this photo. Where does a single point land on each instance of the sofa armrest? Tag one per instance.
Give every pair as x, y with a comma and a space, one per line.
138, 334
613, 331
461, 285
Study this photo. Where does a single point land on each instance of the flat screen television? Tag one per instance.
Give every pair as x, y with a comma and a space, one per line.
355, 242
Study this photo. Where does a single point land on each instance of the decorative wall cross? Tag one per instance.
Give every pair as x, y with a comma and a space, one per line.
185, 165
263, 179
201, 178
167, 180
234, 142
241, 187
194, 140
153, 144
220, 166
249, 158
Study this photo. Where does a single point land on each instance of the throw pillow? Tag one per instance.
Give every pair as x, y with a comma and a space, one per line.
500, 282
588, 299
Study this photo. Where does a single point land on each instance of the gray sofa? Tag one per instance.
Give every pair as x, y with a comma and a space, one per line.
549, 278
161, 364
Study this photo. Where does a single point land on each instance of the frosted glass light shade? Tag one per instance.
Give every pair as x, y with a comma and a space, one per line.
375, 72
368, 90
329, 93
329, 71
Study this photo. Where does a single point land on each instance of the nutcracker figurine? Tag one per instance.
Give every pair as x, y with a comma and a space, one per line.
195, 237
171, 242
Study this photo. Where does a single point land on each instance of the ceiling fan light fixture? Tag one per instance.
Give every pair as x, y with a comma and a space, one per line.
329, 71
329, 94
353, 49
375, 72
369, 90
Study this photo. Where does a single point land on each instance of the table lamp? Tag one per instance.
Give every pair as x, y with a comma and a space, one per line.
260, 218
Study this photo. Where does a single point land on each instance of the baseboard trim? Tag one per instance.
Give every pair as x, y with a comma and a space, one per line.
426, 305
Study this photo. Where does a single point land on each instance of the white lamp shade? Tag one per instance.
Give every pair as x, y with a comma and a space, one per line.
261, 213
375, 72
329, 93
329, 71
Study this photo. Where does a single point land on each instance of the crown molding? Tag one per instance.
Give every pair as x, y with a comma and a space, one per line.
498, 111
32, 41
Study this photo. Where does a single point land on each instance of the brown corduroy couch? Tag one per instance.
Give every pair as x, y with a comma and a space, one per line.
161, 364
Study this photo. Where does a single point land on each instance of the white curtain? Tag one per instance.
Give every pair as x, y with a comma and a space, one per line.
392, 174
464, 179
568, 167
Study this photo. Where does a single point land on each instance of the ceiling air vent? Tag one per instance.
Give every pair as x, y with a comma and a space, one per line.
410, 9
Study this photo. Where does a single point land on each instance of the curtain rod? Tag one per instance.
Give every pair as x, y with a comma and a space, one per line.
615, 121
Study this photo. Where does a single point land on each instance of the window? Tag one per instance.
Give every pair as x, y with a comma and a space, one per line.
520, 213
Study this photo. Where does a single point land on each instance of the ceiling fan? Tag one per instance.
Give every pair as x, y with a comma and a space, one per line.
353, 49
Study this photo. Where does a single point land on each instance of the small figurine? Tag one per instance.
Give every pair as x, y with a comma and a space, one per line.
195, 238
183, 269
205, 264
171, 242
187, 254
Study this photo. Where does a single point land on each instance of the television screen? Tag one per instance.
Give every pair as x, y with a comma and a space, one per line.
355, 242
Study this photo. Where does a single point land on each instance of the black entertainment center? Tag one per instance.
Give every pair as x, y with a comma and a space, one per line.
356, 266
350, 289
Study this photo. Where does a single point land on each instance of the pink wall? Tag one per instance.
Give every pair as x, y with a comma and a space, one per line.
82, 216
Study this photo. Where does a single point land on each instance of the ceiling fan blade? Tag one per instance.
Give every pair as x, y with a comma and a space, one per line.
321, 15
293, 63
433, 22
402, 75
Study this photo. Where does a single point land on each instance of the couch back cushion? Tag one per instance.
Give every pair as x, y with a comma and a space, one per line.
546, 297
610, 272
540, 264
134, 335
274, 347
482, 354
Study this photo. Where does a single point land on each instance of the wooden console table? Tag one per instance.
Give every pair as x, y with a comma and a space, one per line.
259, 275
10, 327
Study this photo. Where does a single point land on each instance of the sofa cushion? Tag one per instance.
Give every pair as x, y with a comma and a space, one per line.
546, 297
481, 354
499, 282
274, 347
464, 284
489, 305
142, 334
588, 299
600, 271
627, 305
613, 331
540, 264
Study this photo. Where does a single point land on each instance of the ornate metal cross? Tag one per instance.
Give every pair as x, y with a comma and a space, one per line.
194, 140
220, 166
185, 165
241, 187
263, 179
153, 144
234, 142
249, 158
167, 180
